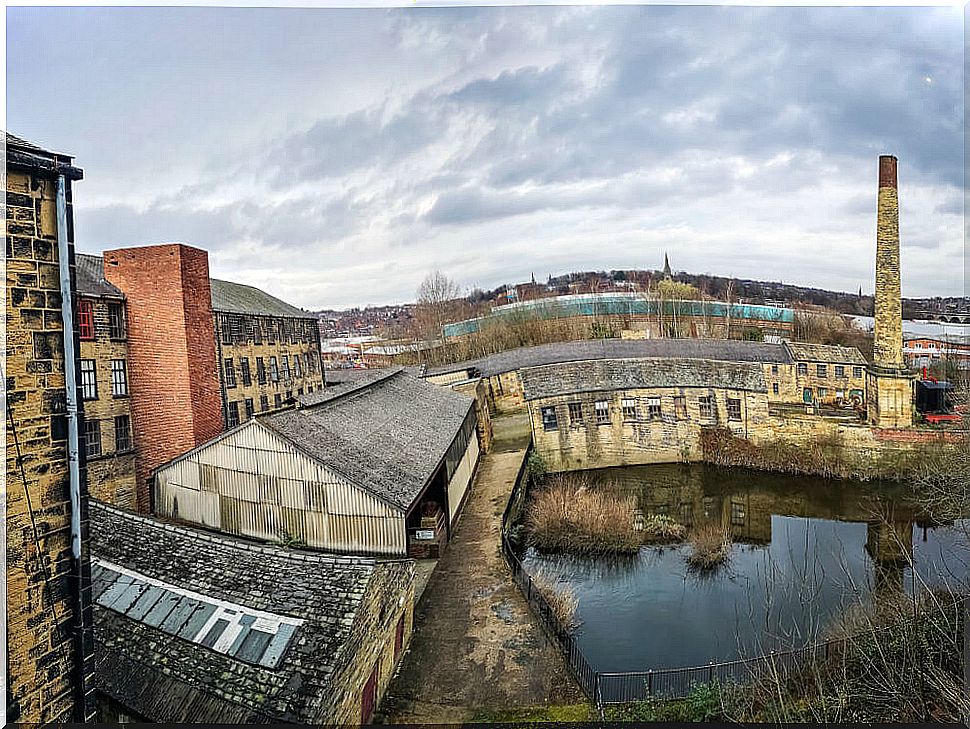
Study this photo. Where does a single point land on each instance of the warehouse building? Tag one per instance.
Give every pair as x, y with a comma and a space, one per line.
379, 464
195, 627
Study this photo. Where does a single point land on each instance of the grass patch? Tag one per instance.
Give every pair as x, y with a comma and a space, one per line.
710, 546
537, 714
568, 515
561, 600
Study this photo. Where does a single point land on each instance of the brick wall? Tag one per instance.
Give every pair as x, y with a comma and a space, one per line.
43, 662
175, 398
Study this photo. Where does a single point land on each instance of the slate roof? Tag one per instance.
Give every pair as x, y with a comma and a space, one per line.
387, 432
803, 351
630, 374
241, 299
712, 349
90, 277
172, 679
24, 154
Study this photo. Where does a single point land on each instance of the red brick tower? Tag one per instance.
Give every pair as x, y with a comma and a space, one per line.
174, 384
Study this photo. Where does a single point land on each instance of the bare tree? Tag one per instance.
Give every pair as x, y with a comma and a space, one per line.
438, 304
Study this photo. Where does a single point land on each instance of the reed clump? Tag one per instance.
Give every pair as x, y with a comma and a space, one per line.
710, 546
661, 529
561, 599
568, 515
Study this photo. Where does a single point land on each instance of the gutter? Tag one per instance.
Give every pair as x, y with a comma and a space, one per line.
73, 448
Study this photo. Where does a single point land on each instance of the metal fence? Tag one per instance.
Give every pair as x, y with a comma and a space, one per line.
669, 683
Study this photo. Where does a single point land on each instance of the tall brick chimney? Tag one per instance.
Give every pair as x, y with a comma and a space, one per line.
173, 380
888, 344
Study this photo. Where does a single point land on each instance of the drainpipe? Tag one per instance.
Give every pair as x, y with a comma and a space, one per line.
73, 454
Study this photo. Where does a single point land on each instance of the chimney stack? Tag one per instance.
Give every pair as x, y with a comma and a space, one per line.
888, 343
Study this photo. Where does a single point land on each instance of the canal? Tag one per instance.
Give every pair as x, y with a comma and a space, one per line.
805, 551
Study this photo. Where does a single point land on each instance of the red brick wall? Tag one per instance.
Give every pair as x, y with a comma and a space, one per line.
174, 384
912, 435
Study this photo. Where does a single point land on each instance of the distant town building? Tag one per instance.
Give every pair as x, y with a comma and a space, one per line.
194, 627
49, 659
925, 351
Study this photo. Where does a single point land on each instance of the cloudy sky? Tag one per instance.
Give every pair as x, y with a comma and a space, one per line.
334, 157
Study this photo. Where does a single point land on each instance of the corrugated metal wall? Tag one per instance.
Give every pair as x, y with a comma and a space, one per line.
461, 478
253, 483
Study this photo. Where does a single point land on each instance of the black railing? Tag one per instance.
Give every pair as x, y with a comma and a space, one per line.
668, 683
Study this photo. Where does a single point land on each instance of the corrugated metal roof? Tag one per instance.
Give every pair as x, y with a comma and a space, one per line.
242, 299
632, 374
145, 659
387, 432
726, 350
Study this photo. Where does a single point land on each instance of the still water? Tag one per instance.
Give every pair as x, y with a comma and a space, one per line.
804, 550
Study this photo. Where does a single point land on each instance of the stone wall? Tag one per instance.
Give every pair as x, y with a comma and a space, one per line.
111, 475
236, 338
388, 601
48, 672
479, 390
638, 437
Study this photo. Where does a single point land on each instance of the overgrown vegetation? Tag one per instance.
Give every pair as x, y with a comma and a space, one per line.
567, 515
710, 546
819, 455
894, 665
561, 599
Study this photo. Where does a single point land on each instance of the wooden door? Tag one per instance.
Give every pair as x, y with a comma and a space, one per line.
369, 696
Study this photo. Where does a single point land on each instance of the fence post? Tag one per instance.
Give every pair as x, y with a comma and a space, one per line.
710, 672
650, 682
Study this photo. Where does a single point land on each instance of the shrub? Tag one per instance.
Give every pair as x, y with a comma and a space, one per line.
567, 515
710, 546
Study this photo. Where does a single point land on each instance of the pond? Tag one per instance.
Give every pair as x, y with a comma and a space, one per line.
805, 550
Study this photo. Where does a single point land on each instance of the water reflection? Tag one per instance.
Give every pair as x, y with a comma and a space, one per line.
805, 550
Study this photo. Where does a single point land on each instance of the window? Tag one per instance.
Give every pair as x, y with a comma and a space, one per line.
309, 389
274, 373
119, 378
549, 421
823, 393
822, 370
117, 328
257, 332
260, 371
680, 407
92, 438
89, 380
249, 408
122, 433
629, 406
230, 373
85, 319
839, 370
807, 395
289, 394
654, 411
232, 415
705, 404
774, 369
286, 367
857, 372
802, 368
247, 378
733, 408
602, 408
226, 331
263, 403
278, 400
297, 370
299, 391
575, 413
774, 388
737, 513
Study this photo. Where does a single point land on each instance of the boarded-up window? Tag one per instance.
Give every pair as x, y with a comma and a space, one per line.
680, 407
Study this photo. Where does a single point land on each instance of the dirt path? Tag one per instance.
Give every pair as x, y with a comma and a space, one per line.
476, 646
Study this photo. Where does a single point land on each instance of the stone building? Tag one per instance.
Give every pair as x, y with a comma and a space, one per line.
108, 438
379, 464
49, 662
195, 627
202, 356
827, 374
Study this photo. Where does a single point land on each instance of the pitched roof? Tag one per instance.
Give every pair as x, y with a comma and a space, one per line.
387, 432
630, 374
90, 277
726, 350
242, 299
160, 667
804, 351
24, 154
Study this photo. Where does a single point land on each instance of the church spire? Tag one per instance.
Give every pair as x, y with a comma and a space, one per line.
667, 273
